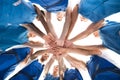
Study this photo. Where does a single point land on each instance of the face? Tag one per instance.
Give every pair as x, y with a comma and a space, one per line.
96, 33
60, 15
44, 57
56, 68
55, 71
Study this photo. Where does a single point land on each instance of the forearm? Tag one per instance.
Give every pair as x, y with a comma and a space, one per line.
73, 20
41, 18
44, 23
91, 28
34, 44
48, 65
82, 35
89, 47
84, 51
75, 62
66, 24
61, 63
38, 53
33, 28
51, 28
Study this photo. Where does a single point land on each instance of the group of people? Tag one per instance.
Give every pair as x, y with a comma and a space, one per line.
17, 26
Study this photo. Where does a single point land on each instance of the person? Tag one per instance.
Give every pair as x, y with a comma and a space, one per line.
17, 36
69, 74
72, 74
96, 13
16, 12
31, 71
12, 57
56, 6
100, 68
50, 37
109, 34
99, 11
54, 75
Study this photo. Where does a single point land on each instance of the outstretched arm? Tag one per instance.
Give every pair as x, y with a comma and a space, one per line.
34, 44
91, 28
87, 52
111, 56
61, 66
48, 65
73, 20
41, 18
51, 28
75, 62
65, 27
82, 51
38, 53
89, 47
34, 28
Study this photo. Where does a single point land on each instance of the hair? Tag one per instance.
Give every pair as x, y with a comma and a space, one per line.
43, 13
43, 58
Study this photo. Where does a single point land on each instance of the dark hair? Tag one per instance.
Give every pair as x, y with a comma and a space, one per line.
43, 13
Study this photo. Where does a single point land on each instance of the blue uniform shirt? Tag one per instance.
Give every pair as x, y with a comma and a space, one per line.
31, 72
51, 77
11, 57
12, 35
101, 69
24, 12
72, 74
96, 10
110, 35
52, 6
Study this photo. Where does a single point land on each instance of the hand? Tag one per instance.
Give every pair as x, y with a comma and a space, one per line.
26, 60
68, 44
78, 65
39, 14
50, 40
60, 42
35, 44
58, 51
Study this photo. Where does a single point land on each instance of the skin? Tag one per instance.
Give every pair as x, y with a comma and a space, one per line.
60, 41
60, 15
74, 17
75, 62
51, 27
47, 66
59, 48
91, 28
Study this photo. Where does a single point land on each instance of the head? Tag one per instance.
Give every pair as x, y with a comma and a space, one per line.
31, 34
96, 33
60, 15
55, 70
44, 57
